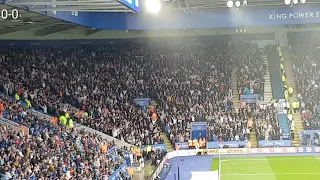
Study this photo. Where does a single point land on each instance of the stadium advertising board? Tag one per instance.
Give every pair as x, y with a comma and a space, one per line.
127, 155
283, 122
230, 144
183, 145
198, 130
308, 149
143, 102
217, 19
182, 153
281, 143
272, 150
116, 175
227, 151
250, 98
159, 146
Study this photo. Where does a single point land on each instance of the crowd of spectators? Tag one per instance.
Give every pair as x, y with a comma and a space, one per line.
102, 81
310, 139
250, 68
52, 151
190, 82
307, 75
266, 122
206, 96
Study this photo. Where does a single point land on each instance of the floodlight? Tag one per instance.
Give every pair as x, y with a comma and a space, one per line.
153, 6
230, 3
287, 2
245, 2
303, 1
237, 3
295, 1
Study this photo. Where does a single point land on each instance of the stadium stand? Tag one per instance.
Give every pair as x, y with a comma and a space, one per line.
95, 86
306, 74
68, 152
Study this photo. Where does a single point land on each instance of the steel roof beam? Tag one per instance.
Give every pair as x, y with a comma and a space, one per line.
75, 8
54, 29
23, 27
63, 3
84, 10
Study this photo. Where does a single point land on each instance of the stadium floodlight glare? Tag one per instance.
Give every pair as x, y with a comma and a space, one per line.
230, 4
287, 2
295, 1
153, 6
303, 1
237, 3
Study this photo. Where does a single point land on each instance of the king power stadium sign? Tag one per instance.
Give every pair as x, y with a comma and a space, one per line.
294, 15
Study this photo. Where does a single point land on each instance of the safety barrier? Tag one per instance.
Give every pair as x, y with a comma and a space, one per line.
16, 126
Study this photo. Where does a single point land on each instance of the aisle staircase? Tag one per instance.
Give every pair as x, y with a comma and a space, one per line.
267, 96
291, 83
167, 142
235, 90
253, 138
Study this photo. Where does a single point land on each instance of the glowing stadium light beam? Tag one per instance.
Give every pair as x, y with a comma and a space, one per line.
237, 3
230, 4
295, 1
287, 2
303, 1
153, 6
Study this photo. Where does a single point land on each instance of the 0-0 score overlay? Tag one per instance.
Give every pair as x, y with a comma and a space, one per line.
10, 14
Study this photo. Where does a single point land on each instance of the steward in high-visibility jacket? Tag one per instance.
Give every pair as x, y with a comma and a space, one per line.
286, 94
63, 120
283, 78
294, 105
281, 66
70, 125
290, 91
17, 97
28, 103
66, 115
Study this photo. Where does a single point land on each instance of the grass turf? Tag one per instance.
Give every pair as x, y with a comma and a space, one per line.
269, 168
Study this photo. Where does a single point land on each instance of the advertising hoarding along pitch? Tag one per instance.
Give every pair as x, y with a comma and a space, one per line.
230, 144
308, 149
132, 4
283, 150
227, 151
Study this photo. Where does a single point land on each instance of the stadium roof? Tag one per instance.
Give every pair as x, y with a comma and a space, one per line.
38, 26
116, 6
218, 4
68, 5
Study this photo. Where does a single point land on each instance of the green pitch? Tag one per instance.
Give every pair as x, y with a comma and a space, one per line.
269, 168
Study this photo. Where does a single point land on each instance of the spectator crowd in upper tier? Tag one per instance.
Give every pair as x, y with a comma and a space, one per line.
250, 68
189, 82
307, 75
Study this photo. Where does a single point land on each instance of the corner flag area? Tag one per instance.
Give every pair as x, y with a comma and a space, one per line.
268, 168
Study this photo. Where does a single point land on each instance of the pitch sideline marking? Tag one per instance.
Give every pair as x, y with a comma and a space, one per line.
270, 174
